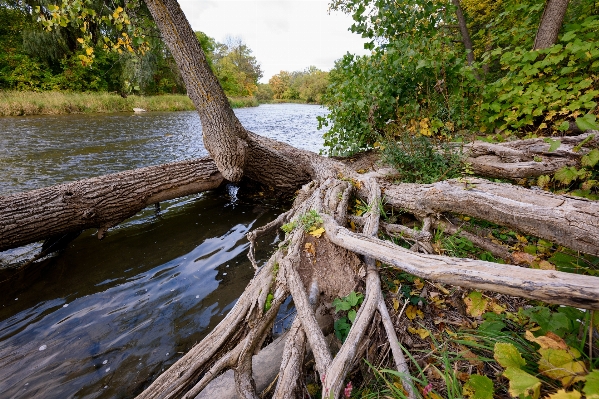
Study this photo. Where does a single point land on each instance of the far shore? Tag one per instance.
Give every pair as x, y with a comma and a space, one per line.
19, 103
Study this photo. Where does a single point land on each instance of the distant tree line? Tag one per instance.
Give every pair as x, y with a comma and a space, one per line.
34, 57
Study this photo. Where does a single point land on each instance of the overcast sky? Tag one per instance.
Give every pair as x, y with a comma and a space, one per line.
286, 35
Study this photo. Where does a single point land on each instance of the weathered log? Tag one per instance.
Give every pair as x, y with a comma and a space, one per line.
527, 158
100, 202
570, 222
546, 285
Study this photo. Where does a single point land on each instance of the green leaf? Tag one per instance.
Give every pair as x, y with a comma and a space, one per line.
553, 144
341, 304
342, 328
591, 158
591, 387
587, 122
354, 298
566, 175
563, 262
351, 315
478, 387
564, 126
507, 355
522, 383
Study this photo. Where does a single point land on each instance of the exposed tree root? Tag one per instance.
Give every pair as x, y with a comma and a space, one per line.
317, 270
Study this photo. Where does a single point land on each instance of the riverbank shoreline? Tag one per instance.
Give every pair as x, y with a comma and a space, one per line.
20, 103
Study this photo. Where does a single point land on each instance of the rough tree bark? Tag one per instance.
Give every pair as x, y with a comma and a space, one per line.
316, 270
551, 23
100, 202
464, 31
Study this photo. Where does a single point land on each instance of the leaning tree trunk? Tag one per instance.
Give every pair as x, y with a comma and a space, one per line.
551, 23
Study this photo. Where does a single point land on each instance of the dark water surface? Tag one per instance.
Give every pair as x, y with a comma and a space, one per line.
105, 317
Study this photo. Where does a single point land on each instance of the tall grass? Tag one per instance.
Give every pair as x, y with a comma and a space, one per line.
16, 103
243, 102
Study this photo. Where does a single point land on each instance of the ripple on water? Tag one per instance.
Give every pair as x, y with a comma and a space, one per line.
156, 284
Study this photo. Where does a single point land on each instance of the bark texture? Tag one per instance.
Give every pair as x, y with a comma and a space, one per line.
528, 158
234, 150
568, 221
466, 40
100, 202
551, 23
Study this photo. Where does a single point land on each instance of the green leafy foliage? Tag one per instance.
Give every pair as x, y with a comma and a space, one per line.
310, 221
348, 304
418, 160
307, 86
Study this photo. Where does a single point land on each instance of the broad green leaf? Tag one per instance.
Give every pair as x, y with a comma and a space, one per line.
553, 144
475, 304
351, 315
507, 355
522, 383
564, 262
341, 304
566, 175
591, 387
562, 394
587, 122
591, 158
354, 298
478, 387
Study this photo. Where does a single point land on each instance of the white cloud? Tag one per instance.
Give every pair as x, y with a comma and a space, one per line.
283, 34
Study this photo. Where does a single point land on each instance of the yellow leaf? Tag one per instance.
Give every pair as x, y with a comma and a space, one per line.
395, 304
475, 304
497, 308
562, 394
548, 341
310, 248
317, 233
419, 283
352, 225
544, 265
412, 312
521, 238
422, 333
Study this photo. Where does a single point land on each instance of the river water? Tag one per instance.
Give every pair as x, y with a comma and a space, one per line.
103, 318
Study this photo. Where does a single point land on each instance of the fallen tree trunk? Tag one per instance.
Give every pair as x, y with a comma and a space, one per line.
567, 221
100, 202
